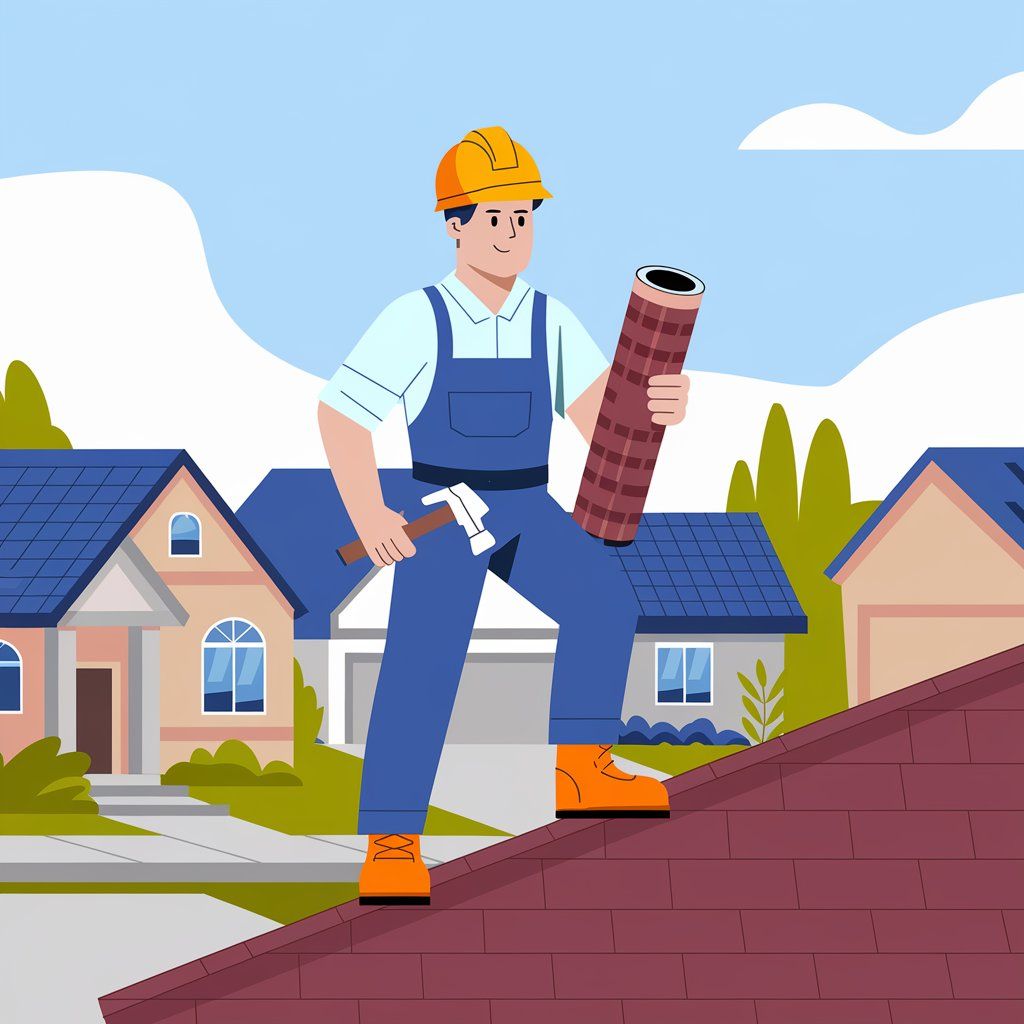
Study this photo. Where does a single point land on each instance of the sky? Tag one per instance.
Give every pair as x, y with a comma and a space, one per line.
305, 135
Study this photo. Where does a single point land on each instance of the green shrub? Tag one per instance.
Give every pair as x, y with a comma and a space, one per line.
41, 780
765, 705
233, 764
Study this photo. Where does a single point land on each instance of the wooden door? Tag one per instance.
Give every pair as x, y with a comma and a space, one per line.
94, 716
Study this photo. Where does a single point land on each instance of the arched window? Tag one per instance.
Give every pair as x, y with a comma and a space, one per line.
234, 659
10, 679
185, 534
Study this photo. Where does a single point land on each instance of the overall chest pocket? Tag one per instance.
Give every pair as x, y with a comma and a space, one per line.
489, 413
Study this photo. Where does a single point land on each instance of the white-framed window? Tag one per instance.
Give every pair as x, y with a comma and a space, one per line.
234, 669
683, 673
184, 535
10, 679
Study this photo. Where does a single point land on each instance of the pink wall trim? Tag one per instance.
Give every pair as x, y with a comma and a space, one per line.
227, 578
226, 732
932, 476
867, 612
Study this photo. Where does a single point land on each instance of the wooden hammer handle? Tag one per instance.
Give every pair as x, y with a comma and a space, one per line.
434, 519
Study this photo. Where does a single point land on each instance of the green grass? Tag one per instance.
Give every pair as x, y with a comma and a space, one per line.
674, 758
283, 902
326, 803
66, 825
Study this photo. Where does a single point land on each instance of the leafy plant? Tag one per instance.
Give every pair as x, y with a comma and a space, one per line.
808, 526
701, 730
24, 413
764, 705
233, 764
41, 780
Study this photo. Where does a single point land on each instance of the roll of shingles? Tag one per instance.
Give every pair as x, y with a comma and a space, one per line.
654, 338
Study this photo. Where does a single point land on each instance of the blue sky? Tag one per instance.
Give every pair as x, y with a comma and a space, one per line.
305, 135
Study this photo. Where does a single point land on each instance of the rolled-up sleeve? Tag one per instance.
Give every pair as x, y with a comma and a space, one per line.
582, 361
397, 348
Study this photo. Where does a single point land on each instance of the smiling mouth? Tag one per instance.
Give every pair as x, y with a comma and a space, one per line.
502, 250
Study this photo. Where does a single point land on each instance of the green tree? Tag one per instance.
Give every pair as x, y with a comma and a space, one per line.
808, 526
24, 414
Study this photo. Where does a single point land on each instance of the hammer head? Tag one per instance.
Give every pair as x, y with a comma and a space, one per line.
469, 510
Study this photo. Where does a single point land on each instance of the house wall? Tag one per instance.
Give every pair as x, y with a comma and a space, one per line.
936, 585
225, 581
18, 730
731, 654
313, 657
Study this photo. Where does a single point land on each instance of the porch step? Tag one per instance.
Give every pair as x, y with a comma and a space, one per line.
101, 790
118, 805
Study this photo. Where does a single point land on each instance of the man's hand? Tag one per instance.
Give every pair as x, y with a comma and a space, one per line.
383, 537
668, 393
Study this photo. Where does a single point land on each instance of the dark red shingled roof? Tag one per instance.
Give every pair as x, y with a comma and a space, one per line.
866, 868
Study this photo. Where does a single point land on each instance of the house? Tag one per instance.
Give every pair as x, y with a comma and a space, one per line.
713, 598
935, 577
138, 619
868, 867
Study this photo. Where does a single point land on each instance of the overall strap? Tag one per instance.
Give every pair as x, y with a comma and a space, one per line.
539, 327
444, 324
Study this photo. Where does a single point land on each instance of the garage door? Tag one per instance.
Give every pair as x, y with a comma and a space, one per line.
502, 698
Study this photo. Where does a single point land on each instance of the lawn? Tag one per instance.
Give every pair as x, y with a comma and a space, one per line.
66, 825
326, 803
675, 758
283, 902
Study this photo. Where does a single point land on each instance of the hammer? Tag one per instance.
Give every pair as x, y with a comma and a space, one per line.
461, 505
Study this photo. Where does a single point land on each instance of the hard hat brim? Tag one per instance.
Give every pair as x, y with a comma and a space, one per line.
497, 193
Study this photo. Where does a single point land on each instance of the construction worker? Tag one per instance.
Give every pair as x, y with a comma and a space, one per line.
473, 359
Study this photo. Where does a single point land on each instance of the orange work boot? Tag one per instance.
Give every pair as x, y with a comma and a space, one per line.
589, 784
394, 871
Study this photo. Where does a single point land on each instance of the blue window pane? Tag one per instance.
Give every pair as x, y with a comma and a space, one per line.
698, 675
184, 535
670, 675
249, 679
217, 679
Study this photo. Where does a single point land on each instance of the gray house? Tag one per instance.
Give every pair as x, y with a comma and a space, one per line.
712, 593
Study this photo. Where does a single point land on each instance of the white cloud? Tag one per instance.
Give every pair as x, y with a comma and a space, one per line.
995, 120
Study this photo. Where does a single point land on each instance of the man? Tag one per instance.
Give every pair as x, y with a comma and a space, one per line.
473, 360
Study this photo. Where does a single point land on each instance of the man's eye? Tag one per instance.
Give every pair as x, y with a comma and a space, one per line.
522, 222
494, 222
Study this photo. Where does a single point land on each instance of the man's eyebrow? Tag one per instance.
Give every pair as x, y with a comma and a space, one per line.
520, 211
495, 211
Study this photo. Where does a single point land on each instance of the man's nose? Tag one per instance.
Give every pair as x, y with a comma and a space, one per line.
512, 226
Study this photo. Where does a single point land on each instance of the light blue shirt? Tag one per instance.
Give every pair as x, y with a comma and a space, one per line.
394, 361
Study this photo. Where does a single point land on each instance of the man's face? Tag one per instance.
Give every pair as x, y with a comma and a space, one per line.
498, 239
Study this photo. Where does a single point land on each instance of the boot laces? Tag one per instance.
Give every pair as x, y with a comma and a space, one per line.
607, 766
394, 846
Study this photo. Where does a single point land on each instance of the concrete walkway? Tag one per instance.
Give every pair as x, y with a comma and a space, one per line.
202, 849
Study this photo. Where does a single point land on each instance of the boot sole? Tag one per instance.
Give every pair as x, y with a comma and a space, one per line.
394, 901
597, 812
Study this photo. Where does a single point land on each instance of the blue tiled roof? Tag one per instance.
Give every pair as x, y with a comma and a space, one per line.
713, 572
993, 478
692, 572
64, 512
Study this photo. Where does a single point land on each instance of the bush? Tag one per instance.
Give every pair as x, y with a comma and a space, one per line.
233, 764
700, 730
41, 780
765, 705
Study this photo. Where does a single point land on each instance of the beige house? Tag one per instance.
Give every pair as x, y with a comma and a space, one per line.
935, 577
138, 620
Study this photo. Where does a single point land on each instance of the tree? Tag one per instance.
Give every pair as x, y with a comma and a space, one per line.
808, 526
24, 414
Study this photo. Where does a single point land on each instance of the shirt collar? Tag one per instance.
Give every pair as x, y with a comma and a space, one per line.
475, 309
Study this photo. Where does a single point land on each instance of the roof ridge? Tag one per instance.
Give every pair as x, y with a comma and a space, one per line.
513, 847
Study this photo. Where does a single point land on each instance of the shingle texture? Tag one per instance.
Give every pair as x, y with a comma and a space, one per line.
868, 867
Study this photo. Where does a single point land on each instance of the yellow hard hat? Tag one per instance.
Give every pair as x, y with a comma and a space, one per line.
487, 164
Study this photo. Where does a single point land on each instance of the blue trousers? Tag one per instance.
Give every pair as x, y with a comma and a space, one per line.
561, 570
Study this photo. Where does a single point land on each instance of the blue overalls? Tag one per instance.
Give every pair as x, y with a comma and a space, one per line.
488, 422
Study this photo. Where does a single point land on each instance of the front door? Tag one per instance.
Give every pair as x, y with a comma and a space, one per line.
94, 717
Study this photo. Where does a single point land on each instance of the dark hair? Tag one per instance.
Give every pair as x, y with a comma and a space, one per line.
465, 213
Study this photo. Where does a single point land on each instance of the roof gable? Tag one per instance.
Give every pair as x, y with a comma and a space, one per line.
993, 478
692, 572
64, 512
890, 828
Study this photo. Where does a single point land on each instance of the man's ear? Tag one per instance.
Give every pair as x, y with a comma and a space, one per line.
453, 226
